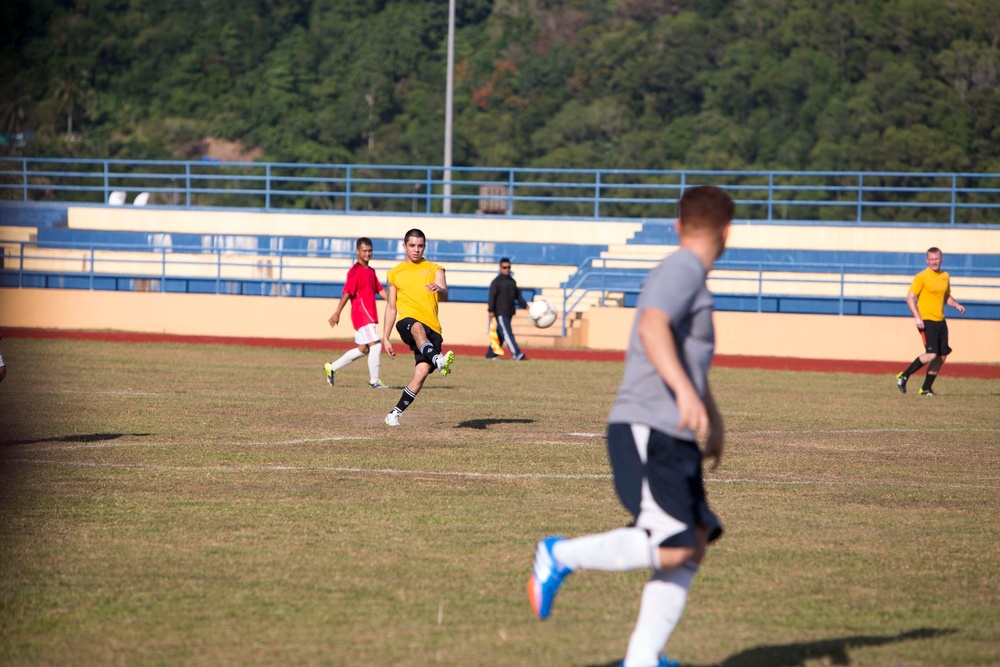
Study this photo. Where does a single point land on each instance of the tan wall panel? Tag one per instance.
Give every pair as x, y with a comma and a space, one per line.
849, 237
814, 336
753, 334
207, 314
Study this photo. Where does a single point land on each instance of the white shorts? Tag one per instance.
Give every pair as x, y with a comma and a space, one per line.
367, 335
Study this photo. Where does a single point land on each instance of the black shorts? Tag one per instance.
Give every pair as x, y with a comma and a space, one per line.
935, 337
676, 502
404, 325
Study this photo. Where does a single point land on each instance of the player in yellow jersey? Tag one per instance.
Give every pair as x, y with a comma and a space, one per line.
415, 287
929, 292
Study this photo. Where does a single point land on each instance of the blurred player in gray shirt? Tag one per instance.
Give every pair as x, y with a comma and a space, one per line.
664, 406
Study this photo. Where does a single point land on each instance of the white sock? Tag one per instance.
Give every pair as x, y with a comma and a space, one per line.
374, 361
615, 551
663, 599
348, 357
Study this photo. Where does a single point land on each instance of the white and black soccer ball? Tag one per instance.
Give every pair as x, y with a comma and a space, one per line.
542, 314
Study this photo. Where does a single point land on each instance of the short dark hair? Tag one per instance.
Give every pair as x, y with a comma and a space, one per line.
504, 260
934, 251
414, 232
364, 240
706, 207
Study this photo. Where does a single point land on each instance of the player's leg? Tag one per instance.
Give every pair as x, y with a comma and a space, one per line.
420, 372
664, 598
616, 550
368, 339
937, 342
347, 358
678, 496
658, 479
504, 326
375, 367
429, 344
922, 360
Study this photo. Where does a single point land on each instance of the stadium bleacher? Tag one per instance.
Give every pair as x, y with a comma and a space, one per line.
574, 264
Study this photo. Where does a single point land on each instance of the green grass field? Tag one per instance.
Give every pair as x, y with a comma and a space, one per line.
197, 505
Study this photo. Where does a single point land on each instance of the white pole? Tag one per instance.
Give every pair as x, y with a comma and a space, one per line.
448, 109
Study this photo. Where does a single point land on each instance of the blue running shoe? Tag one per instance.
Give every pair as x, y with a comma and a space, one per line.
329, 373
546, 578
665, 661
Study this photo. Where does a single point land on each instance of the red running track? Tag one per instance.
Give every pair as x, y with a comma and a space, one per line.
984, 371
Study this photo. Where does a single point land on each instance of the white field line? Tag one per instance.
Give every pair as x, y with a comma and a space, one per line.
831, 431
475, 475
104, 444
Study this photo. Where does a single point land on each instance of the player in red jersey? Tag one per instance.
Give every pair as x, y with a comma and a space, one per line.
360, 289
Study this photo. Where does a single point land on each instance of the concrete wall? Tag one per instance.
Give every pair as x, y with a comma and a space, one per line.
814, 336
754, 334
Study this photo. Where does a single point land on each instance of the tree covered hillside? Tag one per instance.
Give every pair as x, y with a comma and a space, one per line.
778, 84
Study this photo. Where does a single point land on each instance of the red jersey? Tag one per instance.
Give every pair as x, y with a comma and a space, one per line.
362, 285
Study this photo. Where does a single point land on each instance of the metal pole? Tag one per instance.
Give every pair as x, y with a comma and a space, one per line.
267, 186
448, 109
954, 199
861, 196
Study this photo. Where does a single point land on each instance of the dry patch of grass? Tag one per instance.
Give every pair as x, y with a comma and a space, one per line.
168, 504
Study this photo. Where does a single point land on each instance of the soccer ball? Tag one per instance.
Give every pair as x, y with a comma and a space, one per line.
542, 314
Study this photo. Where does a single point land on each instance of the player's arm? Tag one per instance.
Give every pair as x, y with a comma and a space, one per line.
439, 286
335, 318
716, 429
911, 302
491, 300
661, 348
390, 320
951, 301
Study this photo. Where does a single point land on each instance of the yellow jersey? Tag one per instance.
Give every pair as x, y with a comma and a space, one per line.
412, 298
931, 289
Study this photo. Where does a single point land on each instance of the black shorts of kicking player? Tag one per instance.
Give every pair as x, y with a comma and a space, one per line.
935, 337
403, 327
672, 503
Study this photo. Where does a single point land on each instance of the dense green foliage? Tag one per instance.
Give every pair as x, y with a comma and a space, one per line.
645, 84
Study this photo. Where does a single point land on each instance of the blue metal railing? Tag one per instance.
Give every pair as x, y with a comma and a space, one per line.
594, 277
943, 198
277, 272
295, 272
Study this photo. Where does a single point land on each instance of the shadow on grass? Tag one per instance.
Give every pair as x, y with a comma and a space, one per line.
481, 424
796, 655
89, 437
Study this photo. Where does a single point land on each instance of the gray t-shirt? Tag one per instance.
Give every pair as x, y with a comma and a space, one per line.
677, 287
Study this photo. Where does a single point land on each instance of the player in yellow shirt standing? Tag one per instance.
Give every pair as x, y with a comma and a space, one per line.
415, 287
929, 292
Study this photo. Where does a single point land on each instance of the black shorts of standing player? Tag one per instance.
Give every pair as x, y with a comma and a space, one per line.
404, 325
676, 501
935, 337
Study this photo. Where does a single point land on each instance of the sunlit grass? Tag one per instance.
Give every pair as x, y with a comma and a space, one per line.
169, 504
